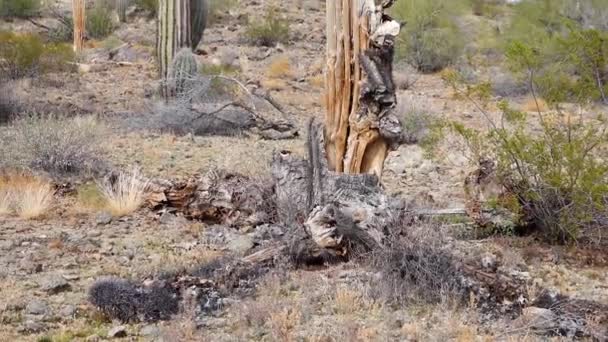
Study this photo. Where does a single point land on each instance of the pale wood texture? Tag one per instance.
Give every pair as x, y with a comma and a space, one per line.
357, 98
78, 8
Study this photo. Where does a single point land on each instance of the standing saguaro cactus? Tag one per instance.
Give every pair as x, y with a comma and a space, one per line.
199, 12
121, 8
79, 26
174, 32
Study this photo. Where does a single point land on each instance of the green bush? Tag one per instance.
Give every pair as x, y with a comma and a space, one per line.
269, 31
557, 173
551, 41
19, 8
431, 39
99, 22
150, 6
27, 55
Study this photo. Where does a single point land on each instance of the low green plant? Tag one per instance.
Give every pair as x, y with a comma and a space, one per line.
19, 8
269, 31
150, 6
557, 173
99, 22
431, 39
27, 55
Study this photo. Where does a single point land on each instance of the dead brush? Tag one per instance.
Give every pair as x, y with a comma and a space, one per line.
416, 267
5, 202
124, 193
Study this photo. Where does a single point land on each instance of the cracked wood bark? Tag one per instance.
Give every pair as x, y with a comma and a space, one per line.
360, 39
78, 8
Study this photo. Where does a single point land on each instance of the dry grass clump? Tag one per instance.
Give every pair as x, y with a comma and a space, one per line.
25, 195
269, 31
125, 193
280, 67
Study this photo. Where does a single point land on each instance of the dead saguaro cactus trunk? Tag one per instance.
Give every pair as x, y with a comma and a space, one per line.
360, 126
78, 9
174, 32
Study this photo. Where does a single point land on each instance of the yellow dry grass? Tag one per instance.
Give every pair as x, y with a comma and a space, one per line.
274, 84
280, 67
530, 105
126, 194
26, 195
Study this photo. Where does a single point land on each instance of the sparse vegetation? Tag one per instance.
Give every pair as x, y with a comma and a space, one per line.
19, 8
218, 9
24, 194
151, 6
416, 119
269, 30
125, 193
431, 41
27, 55
99, 21
59, 146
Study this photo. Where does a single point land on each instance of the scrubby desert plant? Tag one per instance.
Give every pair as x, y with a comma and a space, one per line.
432, 40
124, 193
19, 8
59, 146
151, 6
416, 120
27, 55
556, 174
218, 8
99, 23
270, 30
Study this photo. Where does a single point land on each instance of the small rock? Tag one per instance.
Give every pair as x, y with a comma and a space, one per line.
538, 319
240, 244
150, 331
54, 284
68, 311
103, 218
37, 307
118, 331
31, 327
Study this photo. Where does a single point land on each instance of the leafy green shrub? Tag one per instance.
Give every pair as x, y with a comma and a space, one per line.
26, 55
431, 40
549, 40
556, 173
19, 8
99, 22
272, 29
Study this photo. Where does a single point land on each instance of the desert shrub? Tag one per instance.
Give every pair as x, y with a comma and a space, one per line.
19, 8
417, 266
10, 105
99, 22
431, 40
59, 146
556, 173
63, 31
270, 30
415, 119
566, 55
150, 6
26, 55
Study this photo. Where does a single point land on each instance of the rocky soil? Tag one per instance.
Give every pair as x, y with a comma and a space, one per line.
47, 265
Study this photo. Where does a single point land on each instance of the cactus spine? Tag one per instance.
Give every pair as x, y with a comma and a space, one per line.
121, 8
174, 32
199, 12
182, 72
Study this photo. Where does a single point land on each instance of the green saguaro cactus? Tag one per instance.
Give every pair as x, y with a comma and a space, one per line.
174, 32
199, 12
121, 8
